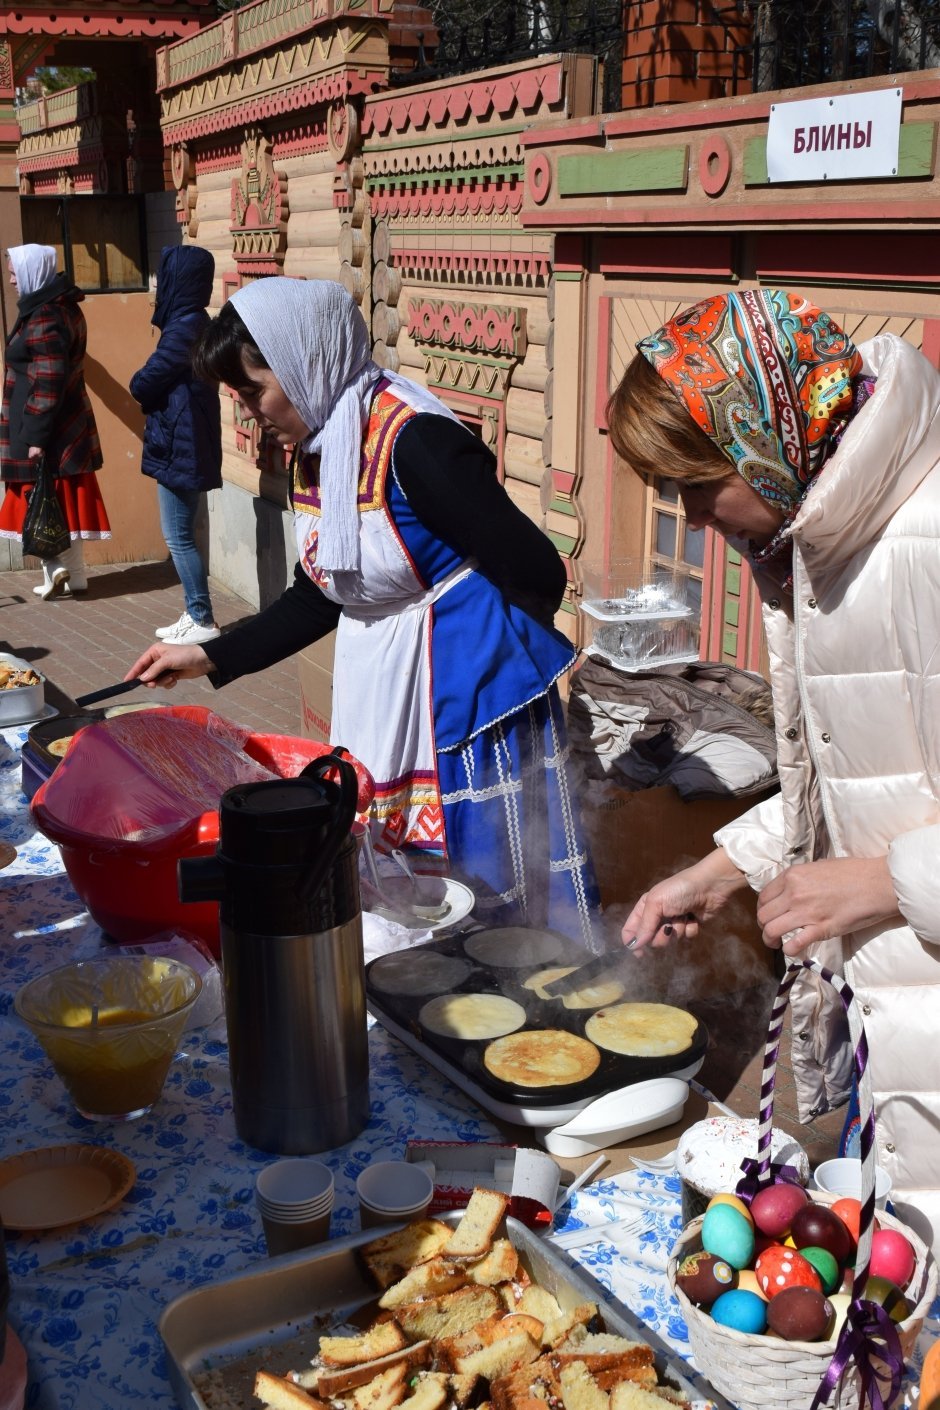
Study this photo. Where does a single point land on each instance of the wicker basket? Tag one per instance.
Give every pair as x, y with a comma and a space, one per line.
762, 1372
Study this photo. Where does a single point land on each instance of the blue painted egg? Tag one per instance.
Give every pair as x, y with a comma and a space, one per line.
742, 1311
728, 1235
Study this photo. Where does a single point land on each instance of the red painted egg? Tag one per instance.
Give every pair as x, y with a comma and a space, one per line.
773, 1208
891, 1257
780, 1267
850, 1212
817, 1226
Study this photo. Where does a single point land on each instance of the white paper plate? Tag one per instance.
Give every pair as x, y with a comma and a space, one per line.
459, 900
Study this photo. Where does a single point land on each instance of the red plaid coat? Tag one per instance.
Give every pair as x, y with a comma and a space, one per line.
44, 398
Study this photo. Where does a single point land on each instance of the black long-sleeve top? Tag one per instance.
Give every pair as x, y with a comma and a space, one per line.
449, 478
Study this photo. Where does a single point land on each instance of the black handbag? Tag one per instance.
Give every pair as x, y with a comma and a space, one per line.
45, 532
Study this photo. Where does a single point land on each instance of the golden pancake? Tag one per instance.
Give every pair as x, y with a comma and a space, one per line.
406, 972
513, 947
592, 996
642, 1030
470, 1016
548, 1057
59, 746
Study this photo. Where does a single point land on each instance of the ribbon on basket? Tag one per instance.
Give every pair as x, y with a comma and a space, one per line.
748, 1186
868, 1338
880, 1367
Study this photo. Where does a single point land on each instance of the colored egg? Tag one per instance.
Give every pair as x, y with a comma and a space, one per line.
703, 1277
830, 1274
734, 1203
892, 1257
742, 1311
747, 1282
773, 1208
800, 1314
728, 1235
889, 1296
850, 1212
779, 1268
815, 1226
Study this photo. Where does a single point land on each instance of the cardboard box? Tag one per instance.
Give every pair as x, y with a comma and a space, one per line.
641, 837
315, 669
530, 1176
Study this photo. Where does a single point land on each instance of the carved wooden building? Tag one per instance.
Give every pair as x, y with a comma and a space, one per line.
507, 240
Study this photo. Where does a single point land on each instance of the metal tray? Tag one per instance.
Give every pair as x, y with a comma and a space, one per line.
248, 1316
46, 732
399, 1013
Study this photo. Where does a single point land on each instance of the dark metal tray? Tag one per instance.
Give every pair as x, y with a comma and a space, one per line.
269, 1315
400, 1012
46, 732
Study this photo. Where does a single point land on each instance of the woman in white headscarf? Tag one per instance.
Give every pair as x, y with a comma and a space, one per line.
443, 593
46, 413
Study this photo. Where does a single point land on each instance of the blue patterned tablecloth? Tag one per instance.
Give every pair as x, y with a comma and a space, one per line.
86, 1300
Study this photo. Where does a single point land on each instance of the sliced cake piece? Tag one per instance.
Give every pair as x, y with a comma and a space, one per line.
476, 1231
283, 1394
380, 1340
579, 1390
392, 1255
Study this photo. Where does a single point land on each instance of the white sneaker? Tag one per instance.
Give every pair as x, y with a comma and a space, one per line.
192, 635
180, 625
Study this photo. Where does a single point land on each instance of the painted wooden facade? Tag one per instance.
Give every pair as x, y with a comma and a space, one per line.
508, 244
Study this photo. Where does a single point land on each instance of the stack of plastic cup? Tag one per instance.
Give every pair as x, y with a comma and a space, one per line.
295, 1201
393, 1192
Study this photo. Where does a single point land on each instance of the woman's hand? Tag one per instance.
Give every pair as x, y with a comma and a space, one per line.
819, 900
678, 906
165, 665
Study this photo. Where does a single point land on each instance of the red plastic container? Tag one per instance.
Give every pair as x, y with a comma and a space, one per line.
129, 884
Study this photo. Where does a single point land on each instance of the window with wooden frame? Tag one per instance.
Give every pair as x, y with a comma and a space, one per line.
670, 541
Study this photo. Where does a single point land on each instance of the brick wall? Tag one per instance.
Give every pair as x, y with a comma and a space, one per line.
680, 51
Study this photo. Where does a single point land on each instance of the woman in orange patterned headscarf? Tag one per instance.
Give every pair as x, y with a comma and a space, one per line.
821, 461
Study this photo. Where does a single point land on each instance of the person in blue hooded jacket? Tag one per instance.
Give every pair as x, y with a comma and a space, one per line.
183, 433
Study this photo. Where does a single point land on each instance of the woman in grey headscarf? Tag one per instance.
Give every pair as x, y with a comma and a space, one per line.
46, 413
442, 592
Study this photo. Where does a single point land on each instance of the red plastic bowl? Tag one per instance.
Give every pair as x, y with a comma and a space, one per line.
131, 890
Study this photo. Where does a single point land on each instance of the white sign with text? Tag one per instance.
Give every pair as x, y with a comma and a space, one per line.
847, 138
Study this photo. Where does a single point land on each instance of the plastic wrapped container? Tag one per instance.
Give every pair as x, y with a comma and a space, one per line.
137, 792
641, 614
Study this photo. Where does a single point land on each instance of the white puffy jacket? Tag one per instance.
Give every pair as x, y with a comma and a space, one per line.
855, 669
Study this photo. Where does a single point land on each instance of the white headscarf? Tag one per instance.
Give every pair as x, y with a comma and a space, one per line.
33, 265
313, 337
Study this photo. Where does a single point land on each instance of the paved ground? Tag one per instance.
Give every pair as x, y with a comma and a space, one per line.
90, 641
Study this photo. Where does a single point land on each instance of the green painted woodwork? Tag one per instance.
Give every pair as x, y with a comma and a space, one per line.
562, 506
729, 643
915, 156
565, 543
732, 611
617, 173
733, 580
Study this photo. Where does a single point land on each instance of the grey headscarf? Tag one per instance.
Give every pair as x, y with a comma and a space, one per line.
315, 341
33, 265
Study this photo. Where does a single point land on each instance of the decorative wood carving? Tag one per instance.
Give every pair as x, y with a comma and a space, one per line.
182, 170
260, 209
342, 129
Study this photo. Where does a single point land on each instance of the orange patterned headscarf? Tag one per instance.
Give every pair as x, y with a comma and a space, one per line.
768, 377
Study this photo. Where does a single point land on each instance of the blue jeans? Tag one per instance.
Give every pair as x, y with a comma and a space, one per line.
178, 509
